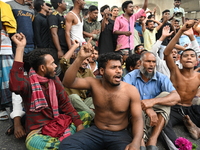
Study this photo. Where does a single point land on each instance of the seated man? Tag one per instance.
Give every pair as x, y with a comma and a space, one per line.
43, 94
113, 101
79, 98
156, 108
187, 82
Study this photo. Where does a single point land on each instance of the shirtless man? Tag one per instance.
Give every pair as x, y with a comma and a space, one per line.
113, 100
74, 23
186, 81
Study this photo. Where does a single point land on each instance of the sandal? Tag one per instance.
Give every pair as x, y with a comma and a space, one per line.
10, 130
3, 115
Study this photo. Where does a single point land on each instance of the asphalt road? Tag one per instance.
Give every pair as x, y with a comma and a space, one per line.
11, 143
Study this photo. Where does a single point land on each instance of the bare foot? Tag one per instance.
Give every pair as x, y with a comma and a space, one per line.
192, 128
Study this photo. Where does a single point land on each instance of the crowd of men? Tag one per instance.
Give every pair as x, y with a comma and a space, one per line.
73, 82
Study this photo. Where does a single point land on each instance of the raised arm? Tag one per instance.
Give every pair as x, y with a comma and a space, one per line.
145, 5
20, 40
169, 60
70, 79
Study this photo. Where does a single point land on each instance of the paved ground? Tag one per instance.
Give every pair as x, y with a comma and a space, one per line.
11, 143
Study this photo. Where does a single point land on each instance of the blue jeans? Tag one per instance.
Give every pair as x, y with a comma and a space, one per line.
93, 138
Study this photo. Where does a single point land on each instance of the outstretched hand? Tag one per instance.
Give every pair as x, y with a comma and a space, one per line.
19, 39
86, 50
166, 31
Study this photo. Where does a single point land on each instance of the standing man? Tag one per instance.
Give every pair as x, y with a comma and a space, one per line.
40, 25
186, 82
92, 27
112, 106
74, 23
24, 17
124, 25
56, 23
157, 95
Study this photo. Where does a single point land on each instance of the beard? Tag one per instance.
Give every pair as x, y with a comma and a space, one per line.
107, 79
48, 75
145, 73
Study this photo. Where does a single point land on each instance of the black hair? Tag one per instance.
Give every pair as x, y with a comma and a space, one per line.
131, 61
104, 7
136, 48
49, 5
189, 49
176, 21
96, 48
148, 21
92, 8
71, 8
104, 58
113, 7
55, 3
167, 10
85, 12
35, 58
38, 4
177, 0
125, 4
150, 16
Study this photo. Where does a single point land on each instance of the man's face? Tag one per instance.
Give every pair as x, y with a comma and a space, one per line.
129, 10
150, 26
188, 59
148, 65
85, 63
177, 3
94, 56
139, 49
115, 12
93, 15
50, 67
113, 72
176, 25
174, 54
45, 7
167, 15
63, 5
81, 4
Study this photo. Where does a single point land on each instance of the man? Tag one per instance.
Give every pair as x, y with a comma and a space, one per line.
92, 27
42, 94
56, 23
156, 108
149, 33
74, 23
79, 98
138, 26
111, 106
178, 13
40, 25
138, 49
186, 81
93, 66
107, 40
24, 17
124, 25
8, 26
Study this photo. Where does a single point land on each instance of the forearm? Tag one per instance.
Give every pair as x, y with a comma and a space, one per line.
68, 39
87, 34
19, 53
171, 99
119, 32
137, 131
172, 43
145, 5
56, 42
70, 74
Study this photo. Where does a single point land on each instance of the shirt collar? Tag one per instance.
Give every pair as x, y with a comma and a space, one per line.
138, 75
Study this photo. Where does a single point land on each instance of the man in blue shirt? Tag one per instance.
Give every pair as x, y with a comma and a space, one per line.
156, 106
